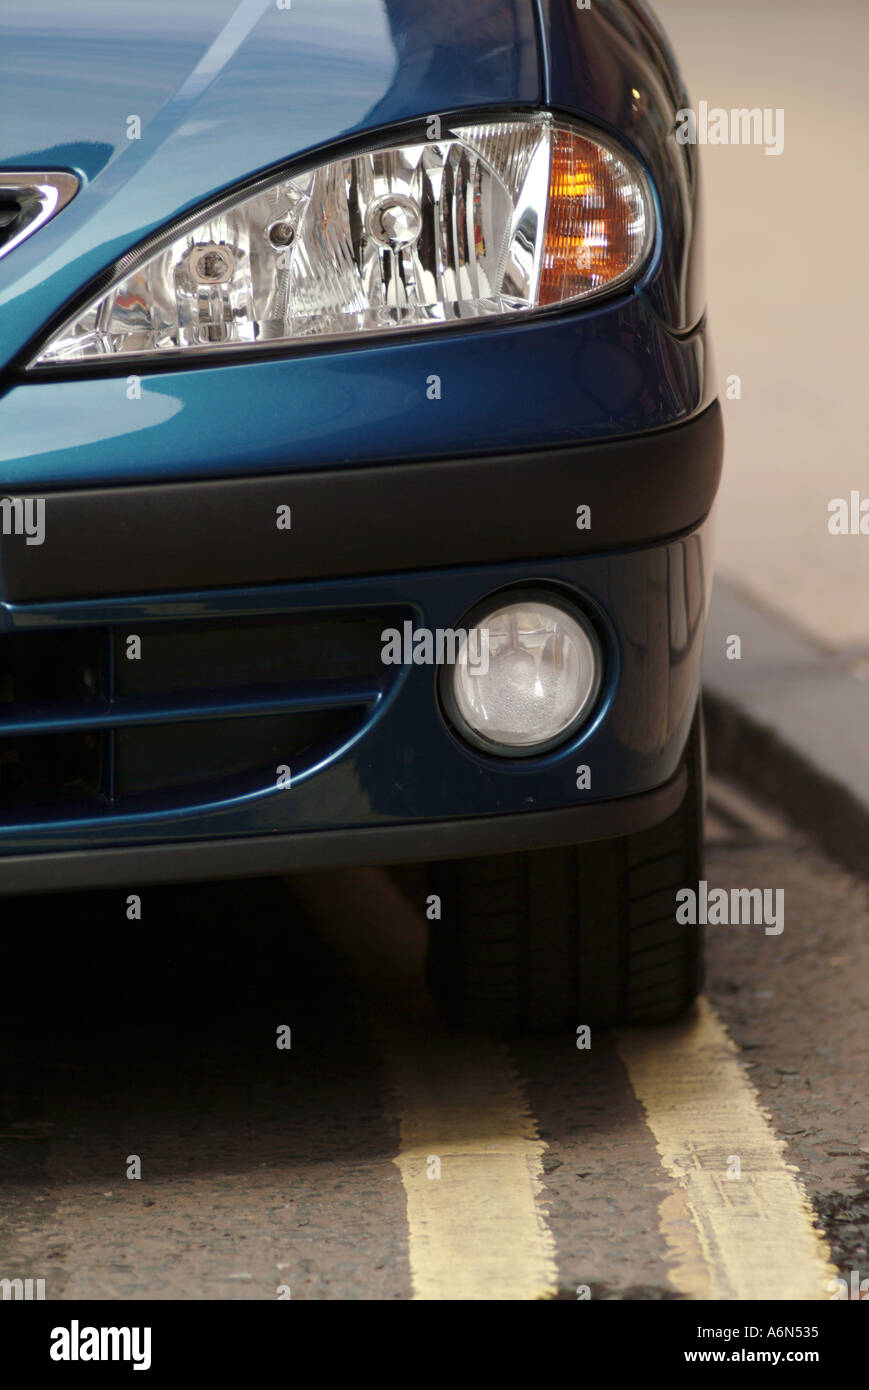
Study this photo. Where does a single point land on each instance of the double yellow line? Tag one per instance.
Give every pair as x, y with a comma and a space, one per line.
737, 1224
470, 1156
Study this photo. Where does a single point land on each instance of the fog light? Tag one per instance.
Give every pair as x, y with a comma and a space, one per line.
534, 679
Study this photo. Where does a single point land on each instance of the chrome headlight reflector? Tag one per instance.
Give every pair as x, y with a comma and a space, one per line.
501, 217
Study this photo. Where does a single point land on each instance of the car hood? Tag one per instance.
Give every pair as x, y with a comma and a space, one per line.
157, 107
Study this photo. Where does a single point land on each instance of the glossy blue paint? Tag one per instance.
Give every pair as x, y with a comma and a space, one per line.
648, 605
223, 91
609, 371
614, 368
612, 65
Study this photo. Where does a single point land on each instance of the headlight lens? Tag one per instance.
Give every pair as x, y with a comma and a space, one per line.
495, 218
539, 681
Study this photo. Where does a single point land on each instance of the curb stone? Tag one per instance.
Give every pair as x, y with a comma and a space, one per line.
790, 719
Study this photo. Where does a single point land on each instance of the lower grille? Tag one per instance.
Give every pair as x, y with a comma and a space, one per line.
65, 768
116, 720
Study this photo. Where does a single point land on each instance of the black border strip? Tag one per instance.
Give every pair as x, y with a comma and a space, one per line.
320, 849
166, 538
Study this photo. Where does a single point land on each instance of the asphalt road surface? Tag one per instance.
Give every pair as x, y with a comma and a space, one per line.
381, 1155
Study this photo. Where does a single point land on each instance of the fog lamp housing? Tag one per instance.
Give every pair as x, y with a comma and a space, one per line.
529, 676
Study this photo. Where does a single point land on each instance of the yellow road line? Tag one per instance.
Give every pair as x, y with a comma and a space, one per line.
740, 1237
478, 1230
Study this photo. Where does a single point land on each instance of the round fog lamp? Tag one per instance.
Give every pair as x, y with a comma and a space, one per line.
528, 675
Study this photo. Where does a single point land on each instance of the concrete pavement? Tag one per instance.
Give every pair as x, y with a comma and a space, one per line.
562, 1172
788, 298
788, 308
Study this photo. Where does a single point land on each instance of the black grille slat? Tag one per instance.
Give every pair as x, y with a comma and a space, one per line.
253, 651
15, 214
29, 199
52, 666
209, 703
163, 759
68, 769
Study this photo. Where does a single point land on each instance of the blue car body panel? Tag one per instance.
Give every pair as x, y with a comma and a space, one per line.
634, 740
365, 402
620, 371
223, 91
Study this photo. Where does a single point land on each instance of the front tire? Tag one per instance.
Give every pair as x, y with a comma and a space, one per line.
580, 934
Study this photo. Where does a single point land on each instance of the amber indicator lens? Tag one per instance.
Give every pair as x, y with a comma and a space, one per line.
598, 223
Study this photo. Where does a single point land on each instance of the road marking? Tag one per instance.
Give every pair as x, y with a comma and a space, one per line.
479, 1231
744, 1238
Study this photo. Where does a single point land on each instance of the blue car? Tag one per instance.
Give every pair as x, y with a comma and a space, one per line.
359, 441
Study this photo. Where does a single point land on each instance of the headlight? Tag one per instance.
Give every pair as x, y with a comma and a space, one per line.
537, 684
497, 218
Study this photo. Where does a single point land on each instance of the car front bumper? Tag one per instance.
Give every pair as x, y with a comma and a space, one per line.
424, 539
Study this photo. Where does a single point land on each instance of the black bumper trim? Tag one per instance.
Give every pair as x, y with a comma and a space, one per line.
322, 849
164, 538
